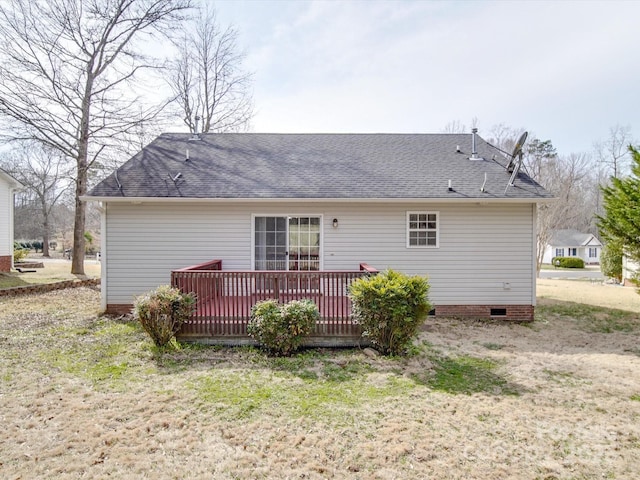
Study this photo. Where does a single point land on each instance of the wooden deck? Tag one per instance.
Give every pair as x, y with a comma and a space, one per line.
225, 298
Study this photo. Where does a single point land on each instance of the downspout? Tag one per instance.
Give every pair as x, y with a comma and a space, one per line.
534, 250
12, 194
104, 257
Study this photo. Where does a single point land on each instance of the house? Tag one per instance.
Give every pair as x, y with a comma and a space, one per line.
8, 188
572, 243
319, 204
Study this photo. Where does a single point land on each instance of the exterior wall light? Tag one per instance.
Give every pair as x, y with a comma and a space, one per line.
335, 223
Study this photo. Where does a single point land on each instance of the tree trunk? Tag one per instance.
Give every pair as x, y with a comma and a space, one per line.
77, 263
82, 167
45, 227
45, 240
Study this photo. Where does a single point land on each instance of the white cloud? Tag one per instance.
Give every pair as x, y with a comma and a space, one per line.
567, 70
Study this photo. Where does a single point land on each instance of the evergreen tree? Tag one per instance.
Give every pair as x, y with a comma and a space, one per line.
621, 221
611, 260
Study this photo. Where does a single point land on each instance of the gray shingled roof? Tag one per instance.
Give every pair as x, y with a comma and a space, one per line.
315, 166
569, 238
12, 181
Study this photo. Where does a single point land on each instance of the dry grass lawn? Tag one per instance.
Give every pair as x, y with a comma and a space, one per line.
55, 270
83, 396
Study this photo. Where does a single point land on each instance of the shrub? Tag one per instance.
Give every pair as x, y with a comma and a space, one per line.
390, 307
19, 252
163, 311
280, 329
567, 262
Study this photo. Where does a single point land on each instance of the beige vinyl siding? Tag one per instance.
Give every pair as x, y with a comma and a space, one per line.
6, 228
481, 247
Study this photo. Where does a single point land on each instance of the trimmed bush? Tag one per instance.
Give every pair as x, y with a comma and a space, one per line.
19, 252
390, 307
280, 329
567, 262
162, 311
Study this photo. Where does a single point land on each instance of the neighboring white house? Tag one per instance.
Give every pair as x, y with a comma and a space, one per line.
424, 204
8, 187
572, 243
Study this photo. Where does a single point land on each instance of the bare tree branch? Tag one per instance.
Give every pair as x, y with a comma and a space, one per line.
613, 153
207, 78
45, 174
68, 78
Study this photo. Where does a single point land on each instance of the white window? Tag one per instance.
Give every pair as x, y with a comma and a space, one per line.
559, 252
422, 229
593, 252
572, 252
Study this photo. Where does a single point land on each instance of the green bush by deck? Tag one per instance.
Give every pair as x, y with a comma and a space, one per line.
390, 307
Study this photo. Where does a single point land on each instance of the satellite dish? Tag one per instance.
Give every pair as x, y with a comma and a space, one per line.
517, 152
516, 161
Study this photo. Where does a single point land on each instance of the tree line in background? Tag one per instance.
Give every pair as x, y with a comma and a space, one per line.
582, 182
79, 95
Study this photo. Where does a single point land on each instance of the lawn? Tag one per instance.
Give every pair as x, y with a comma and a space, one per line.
85, 396
55, 270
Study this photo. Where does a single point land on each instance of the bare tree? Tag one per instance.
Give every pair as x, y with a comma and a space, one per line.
68, 77
45, 174
207, 78
456, 126
567, 177
613, 153
504, 137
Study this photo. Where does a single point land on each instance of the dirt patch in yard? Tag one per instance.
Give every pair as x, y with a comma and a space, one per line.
90, 397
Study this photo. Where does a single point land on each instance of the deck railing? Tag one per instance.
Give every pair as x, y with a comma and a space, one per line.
225, 298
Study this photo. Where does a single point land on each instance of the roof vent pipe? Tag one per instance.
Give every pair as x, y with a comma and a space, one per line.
474, 151
195, 135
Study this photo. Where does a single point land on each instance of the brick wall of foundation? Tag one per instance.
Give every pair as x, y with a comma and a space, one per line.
119, 308
514, 313
5, 263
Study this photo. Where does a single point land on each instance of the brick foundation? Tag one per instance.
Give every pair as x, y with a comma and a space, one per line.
119, 308
5, 263
511, 313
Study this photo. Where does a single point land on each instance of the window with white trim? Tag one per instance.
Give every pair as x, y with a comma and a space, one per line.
559, 252
593, 252
422, 229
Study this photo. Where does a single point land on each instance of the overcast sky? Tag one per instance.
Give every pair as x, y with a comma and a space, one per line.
567, 71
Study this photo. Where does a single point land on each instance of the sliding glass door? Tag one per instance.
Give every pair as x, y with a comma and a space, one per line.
287, 243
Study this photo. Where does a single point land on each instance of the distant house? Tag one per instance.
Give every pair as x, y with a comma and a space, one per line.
8, 187
572, 243
319, 205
